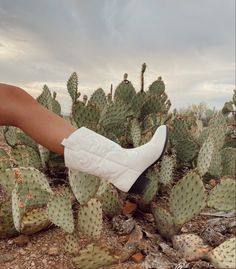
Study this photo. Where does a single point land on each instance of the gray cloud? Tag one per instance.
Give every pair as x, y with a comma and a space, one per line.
189, 43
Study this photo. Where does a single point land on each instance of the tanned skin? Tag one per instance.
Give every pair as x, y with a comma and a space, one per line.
19, 109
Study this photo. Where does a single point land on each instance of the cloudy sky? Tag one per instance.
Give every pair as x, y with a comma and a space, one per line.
190, 43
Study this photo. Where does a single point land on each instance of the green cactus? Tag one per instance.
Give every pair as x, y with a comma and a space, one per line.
157, 87
179, 130
31, 190
151, 189
190, 246
45, 98
215, 168
94, 256
71, 244
110, 200
7, 181
125, 91
84, 186
167, 167
137, 103
10, 135
26, 156
34, 221
164, 221
72, 87
90, 218
44, 154
187, 198
135, 132
98, 98
217, 130
56, 107
228, 161
7, 227
59, 212
154, 104
224, 256
205, 157
223, 196
5, 161
186, 150
114, 116
86, 115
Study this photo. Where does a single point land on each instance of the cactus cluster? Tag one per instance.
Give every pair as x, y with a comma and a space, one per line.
196, 151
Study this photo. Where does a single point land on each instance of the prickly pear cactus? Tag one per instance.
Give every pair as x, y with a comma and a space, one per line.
167, 167
190, 246
94, 257
135, 131
228, 161
111, 203
187, 198
224, 256
151, 189
205, 157
86, 115
72, 87
5, 161
26, 156
59, 212
98, 98
157, 87
45, 98
31, 190
223, 195
90, 218
84, 186
164, 221
215, 168
34, 221
125, 91
7, 227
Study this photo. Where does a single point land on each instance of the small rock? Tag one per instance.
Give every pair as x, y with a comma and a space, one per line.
129, 208
22, 252
157, 260
123, 224
21, 240
137, 257
6, 258
212, 237
53, 251
123, 238
44, 249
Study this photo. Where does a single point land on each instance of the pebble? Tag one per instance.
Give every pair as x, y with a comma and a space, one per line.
53, 251
21, 240
6, 258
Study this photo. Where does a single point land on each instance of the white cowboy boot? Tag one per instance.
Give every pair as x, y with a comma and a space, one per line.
90, 152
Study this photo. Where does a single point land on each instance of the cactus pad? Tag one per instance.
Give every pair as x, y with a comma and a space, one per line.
34, 221
164, 221
205, 156
190, 246
90, 218
94, 257
187, 198
84, 186
111, 204
223, 195
167, 167
224, 256
60, 213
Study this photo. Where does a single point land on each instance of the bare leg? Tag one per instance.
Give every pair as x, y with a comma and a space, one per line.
18, 108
